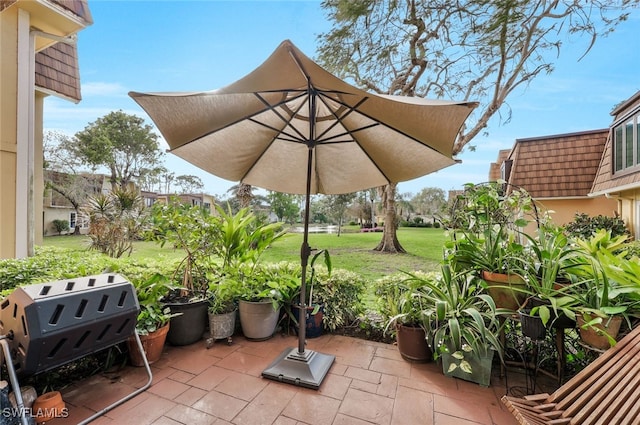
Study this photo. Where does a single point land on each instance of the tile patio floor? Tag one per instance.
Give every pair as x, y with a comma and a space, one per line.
369, 383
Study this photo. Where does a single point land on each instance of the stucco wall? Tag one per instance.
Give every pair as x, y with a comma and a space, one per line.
8, 146
564, 210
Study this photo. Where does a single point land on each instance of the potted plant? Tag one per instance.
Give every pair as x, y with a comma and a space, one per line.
462, 324
608, 291
261, 300
314, 311
486, 225
403, 306
548, 272
153, 320
191, 229
223, 307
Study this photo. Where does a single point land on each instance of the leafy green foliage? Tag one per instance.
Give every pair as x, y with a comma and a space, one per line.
61, 226
584, 226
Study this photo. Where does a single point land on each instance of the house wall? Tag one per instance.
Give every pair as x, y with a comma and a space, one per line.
564, 210
8, 130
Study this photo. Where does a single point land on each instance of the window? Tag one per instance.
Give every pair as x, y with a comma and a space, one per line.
626, 144
72, 220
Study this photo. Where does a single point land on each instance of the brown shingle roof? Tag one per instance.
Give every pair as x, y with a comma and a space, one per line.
494, 168
605, 181
57, 70
57, 66
557, 166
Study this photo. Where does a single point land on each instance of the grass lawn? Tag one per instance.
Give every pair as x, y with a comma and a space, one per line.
350, 251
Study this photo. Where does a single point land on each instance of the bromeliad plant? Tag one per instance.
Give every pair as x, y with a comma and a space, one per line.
608, 285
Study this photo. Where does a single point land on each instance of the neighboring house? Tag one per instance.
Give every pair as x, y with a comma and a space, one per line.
558, 172
618, 176
39, 58
58, 207
204, 200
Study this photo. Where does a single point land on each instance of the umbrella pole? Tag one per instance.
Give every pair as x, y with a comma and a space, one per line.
302, 367
305, 253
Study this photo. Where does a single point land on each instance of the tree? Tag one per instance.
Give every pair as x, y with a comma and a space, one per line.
189, 184
64, 174
430, 201
122, 143
338, 205
284, 206
476, 50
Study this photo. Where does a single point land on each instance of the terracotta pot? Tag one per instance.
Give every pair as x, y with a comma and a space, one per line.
153, 344
594, 336
48, 406
412, 343
500, 289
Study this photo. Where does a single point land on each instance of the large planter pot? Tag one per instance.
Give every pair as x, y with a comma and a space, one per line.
258, 319
507, 290
222, 325
412, 343
474, 369
594, 335
313, 322
152, 344
190, 325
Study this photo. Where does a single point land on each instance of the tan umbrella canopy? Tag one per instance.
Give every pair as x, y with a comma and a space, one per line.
290, 126
257, 130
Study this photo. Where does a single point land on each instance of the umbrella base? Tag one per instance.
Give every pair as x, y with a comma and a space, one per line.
306, 369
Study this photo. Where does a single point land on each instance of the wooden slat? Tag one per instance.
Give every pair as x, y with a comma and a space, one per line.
607, 392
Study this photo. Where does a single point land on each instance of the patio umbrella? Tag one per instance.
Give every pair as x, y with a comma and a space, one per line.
290, 126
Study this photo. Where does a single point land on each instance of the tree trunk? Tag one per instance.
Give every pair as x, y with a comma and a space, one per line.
389, 242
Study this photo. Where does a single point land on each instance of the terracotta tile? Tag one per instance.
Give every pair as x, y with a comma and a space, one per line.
364, 386
208, 379
244, 387
462, 409
285, 421
399, 368
389, 352
334, 386
267, 406
168, 388
194, 362
500, 416
338, 369
388, 386
163, 420
367, 406
220, 405
190, 396
245, 363
412, 407
442, 419
311, 408
363, 375
222, 349
348, 420
143, 413
181, 376
188, 415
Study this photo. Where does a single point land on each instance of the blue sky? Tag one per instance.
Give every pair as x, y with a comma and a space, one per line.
167, 46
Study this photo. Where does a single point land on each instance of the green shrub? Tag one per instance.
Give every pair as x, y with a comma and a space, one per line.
584, 227
60, 226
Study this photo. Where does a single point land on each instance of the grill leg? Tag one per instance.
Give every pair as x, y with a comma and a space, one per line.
14, 380
130, 396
